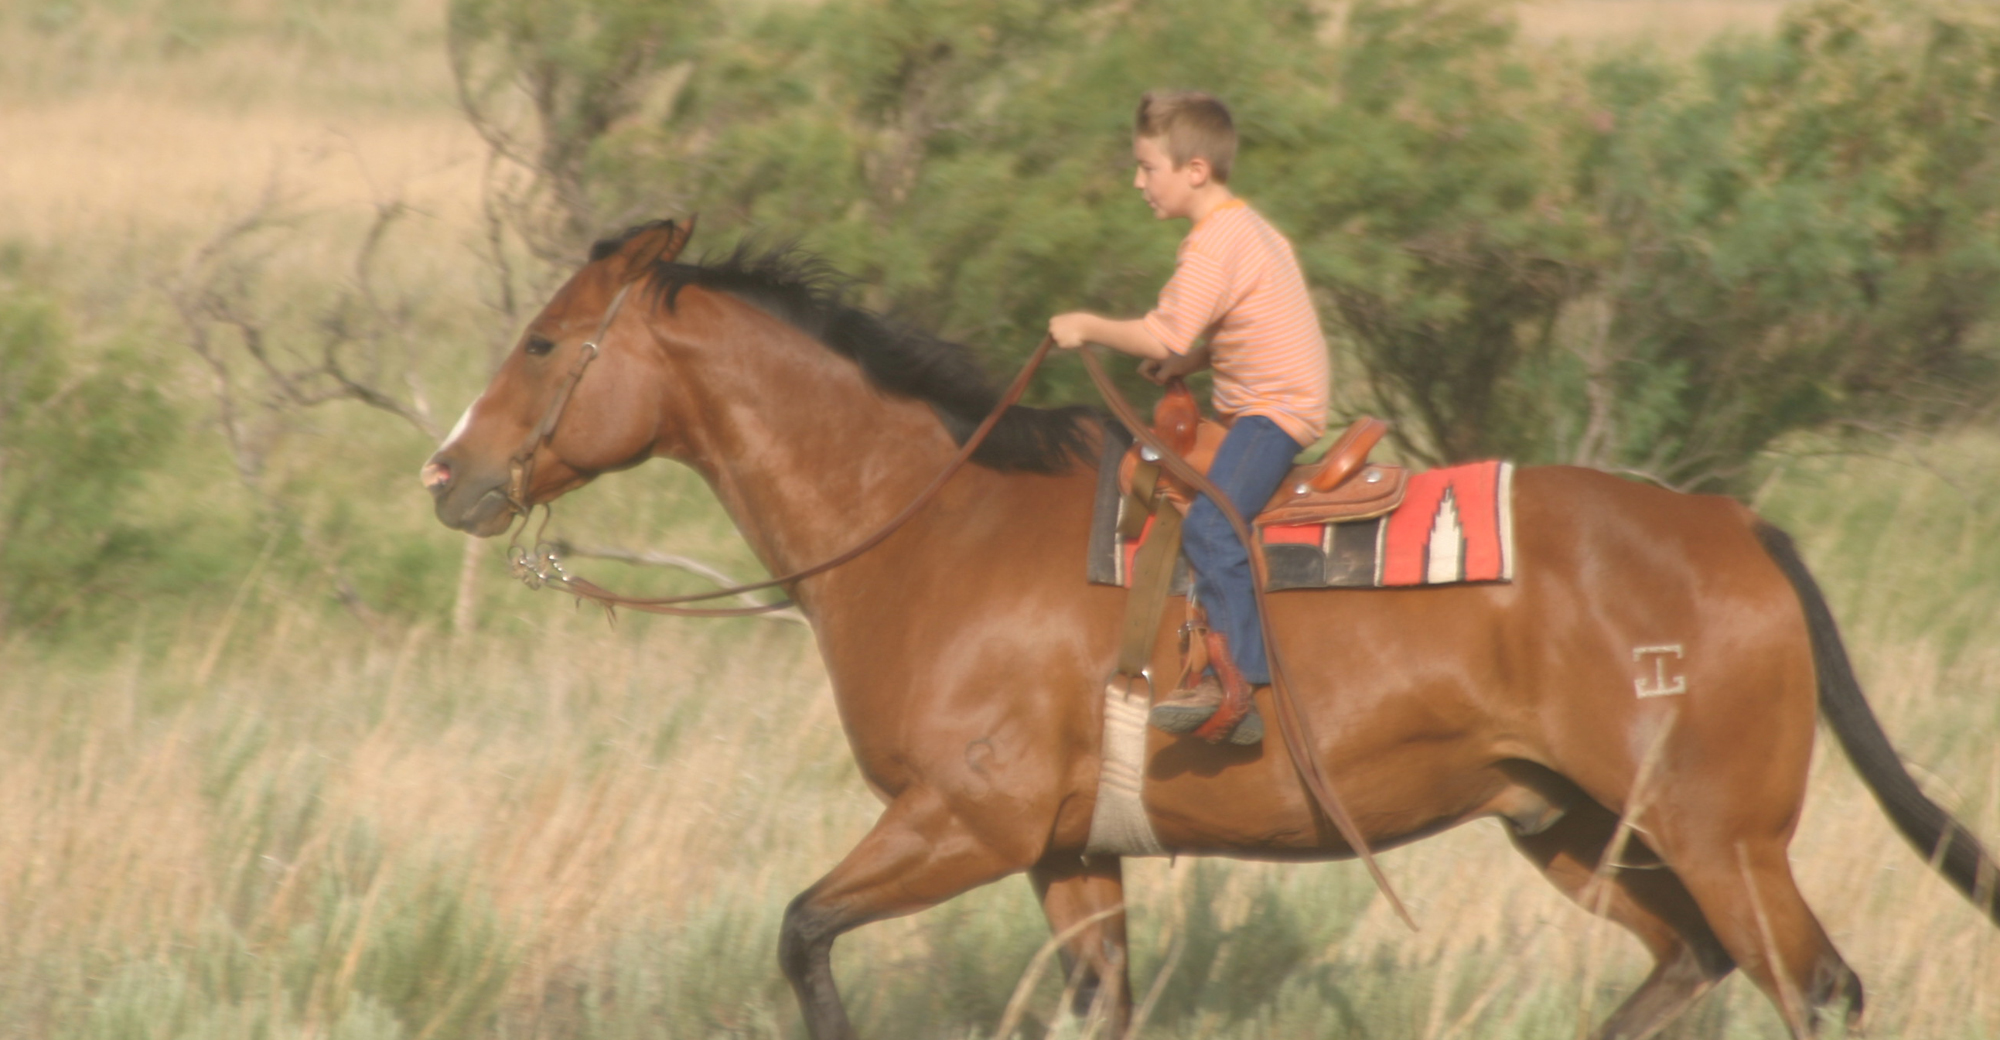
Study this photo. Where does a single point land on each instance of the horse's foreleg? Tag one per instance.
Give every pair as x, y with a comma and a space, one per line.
1652, 903
918, 855
1073, 892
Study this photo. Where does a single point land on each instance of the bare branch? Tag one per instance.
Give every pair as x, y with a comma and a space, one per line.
249, 467
498, 141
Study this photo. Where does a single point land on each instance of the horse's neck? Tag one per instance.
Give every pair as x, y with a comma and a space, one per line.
804, 453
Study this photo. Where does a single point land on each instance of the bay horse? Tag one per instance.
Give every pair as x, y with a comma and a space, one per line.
967, 654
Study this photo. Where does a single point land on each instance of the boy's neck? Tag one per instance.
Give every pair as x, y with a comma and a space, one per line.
1207, 200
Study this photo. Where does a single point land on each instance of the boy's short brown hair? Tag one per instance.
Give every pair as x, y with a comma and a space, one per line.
1194, 124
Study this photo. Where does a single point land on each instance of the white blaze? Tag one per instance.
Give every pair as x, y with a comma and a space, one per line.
458, 428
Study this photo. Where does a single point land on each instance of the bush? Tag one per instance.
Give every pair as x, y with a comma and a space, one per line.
76, 440
1626, 261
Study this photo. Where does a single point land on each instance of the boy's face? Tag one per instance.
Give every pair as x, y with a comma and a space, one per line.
1170, 191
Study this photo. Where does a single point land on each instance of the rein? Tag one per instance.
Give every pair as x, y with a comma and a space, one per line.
540, 566
1291, 721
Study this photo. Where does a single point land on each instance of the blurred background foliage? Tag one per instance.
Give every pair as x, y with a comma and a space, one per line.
1665, 260
75, 441
1633, 259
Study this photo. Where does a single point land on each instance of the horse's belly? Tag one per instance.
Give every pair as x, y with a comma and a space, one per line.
1205, 798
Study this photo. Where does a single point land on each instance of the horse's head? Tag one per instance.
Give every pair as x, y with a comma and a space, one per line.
571, 401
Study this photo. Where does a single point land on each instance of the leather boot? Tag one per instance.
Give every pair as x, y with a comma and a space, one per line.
1186, 710
1219, 708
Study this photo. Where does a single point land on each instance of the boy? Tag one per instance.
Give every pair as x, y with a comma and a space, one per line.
1236, 284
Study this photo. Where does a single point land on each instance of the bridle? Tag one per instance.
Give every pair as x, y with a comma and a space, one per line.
541, 566
521, 464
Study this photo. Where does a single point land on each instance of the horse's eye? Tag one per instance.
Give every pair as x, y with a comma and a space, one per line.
537, 346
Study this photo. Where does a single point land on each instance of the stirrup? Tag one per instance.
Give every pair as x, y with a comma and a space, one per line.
1235, 719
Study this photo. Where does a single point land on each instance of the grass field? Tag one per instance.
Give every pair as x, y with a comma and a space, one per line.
560, 829
242, 812
1679, 24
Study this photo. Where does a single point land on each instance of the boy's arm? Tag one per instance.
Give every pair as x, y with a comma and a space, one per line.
1076, 328
1175, 366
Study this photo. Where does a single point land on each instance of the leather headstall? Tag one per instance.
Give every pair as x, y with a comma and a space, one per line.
521, 465
541, 566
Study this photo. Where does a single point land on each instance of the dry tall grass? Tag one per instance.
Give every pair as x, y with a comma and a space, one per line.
145, 127
561, 829
1676, 24
555, 829
88, 165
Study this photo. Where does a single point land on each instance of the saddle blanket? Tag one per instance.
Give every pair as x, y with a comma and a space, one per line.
1456, 524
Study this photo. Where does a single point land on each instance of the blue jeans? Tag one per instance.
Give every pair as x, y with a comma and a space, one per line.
1251, 463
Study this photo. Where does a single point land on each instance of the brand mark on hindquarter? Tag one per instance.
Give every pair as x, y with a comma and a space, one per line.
1659, 684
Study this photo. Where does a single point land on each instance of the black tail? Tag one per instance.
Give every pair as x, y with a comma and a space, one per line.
1942, 839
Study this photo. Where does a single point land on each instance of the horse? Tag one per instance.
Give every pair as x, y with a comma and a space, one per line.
966, 652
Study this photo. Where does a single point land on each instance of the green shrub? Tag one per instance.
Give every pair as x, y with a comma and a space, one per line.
1629, 261
76, 440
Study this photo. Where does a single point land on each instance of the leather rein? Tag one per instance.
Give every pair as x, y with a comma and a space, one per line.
1291, 721
541, 566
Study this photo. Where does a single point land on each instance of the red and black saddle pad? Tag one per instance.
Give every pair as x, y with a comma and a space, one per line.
1456, 524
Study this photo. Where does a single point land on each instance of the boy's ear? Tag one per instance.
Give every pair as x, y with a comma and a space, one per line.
1199, 172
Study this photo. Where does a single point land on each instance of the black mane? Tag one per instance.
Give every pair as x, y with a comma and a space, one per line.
806, 291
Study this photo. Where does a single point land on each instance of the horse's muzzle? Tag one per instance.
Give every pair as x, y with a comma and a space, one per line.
467, 500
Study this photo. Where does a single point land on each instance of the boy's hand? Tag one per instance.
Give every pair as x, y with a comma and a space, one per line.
1076, 328
1174, 366
1070, 331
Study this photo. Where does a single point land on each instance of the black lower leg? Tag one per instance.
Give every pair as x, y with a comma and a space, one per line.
1086, 980
1836, 991
805, 955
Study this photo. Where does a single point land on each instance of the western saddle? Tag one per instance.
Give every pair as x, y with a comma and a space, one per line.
1343, 485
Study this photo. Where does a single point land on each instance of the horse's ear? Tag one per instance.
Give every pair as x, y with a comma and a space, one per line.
658, 244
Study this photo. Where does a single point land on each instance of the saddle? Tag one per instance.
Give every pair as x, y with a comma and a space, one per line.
1343, 485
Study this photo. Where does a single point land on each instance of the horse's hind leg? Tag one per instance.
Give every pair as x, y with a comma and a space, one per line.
918, 855
1688, 958
1073, 892
1746, 891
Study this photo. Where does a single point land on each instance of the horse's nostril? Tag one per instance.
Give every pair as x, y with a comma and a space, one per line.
436, 475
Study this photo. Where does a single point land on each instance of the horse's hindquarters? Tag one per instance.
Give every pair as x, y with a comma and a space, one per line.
1646, 640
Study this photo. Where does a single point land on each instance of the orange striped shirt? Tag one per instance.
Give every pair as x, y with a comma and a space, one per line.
1238, 284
